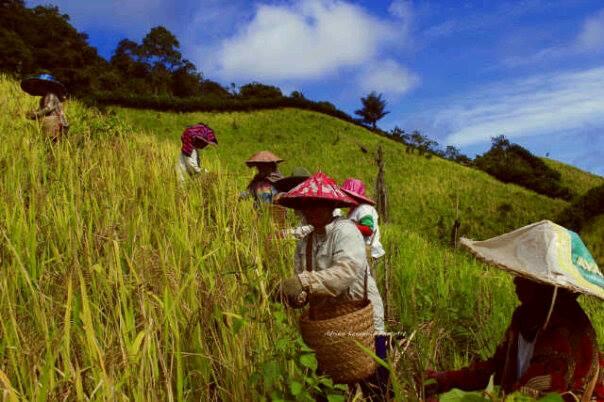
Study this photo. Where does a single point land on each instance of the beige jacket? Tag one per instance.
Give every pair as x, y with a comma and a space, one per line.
339, 268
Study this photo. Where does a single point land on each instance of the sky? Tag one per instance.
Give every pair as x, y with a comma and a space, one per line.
459, 71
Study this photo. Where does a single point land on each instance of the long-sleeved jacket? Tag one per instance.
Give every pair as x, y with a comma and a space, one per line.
262, 189
339, 269
50, 105
360, 215
564, 358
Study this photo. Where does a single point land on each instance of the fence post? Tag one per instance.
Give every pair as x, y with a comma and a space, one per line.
380, 187
382, 208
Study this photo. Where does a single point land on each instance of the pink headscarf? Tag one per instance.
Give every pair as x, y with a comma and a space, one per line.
196, 133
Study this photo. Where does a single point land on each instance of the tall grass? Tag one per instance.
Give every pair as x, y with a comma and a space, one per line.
117, 284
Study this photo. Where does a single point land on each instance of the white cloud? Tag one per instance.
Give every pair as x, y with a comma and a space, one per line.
306, 40
388, 77
589, 40
591, 37
542, 105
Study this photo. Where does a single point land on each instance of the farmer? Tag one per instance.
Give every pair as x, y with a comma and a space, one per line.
194, 139
262, 187
550, 344
330, 263
365, 216
50, 113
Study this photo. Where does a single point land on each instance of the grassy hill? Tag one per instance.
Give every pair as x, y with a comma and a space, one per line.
579, 181
116, 284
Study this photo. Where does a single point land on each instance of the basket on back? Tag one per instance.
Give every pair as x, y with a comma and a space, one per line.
336, 340
336, 334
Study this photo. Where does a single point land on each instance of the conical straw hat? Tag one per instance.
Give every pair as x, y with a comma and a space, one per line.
263, 157
543, 252
317, 189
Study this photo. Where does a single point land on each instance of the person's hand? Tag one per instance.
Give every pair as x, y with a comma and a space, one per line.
430, 383
292, 292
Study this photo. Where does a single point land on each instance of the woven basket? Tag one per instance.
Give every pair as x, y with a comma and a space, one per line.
335, 339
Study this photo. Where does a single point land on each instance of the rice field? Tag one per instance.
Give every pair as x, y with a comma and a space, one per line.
117, 284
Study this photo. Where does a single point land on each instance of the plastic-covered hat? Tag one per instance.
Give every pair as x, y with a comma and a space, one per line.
317, 189
263, 157
41, 84
543, 252
298, 175
356, 189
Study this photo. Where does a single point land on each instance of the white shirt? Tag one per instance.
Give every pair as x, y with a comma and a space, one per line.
525, 354
377, 250
188, 164
339, 268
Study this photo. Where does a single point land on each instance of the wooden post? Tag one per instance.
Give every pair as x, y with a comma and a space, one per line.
380, 187
382, 208
456, 225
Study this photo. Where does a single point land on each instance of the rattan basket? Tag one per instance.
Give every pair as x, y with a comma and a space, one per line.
335, 338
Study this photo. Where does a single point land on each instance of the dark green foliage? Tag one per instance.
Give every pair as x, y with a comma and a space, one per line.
374, 108
582, 210
213, 89
258, 90
41, 38
212, 102
512, 163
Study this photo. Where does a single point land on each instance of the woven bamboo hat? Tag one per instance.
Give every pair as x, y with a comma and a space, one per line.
543, 252
317, 189
263, 157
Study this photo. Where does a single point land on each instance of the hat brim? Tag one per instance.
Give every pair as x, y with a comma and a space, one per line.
40, 87
203, 140
540, 252
254, 163
357, 197
303, 202
287, 183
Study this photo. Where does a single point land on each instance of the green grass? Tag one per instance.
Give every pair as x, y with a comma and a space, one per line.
118, 285
579, 181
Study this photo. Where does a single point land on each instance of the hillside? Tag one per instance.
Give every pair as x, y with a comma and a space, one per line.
119, 285
424, 193
579, 181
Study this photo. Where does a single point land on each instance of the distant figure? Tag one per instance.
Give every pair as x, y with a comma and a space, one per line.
50, 113
262, 187
365, 216
194, 139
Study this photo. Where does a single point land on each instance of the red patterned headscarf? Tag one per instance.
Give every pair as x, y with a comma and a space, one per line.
195, 135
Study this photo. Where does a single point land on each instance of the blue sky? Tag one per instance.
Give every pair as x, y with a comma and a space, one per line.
459, 71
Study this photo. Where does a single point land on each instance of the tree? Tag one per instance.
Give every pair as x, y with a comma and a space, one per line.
451, 153
186, 81
373, 109
160, 47
258, 90
512, 163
